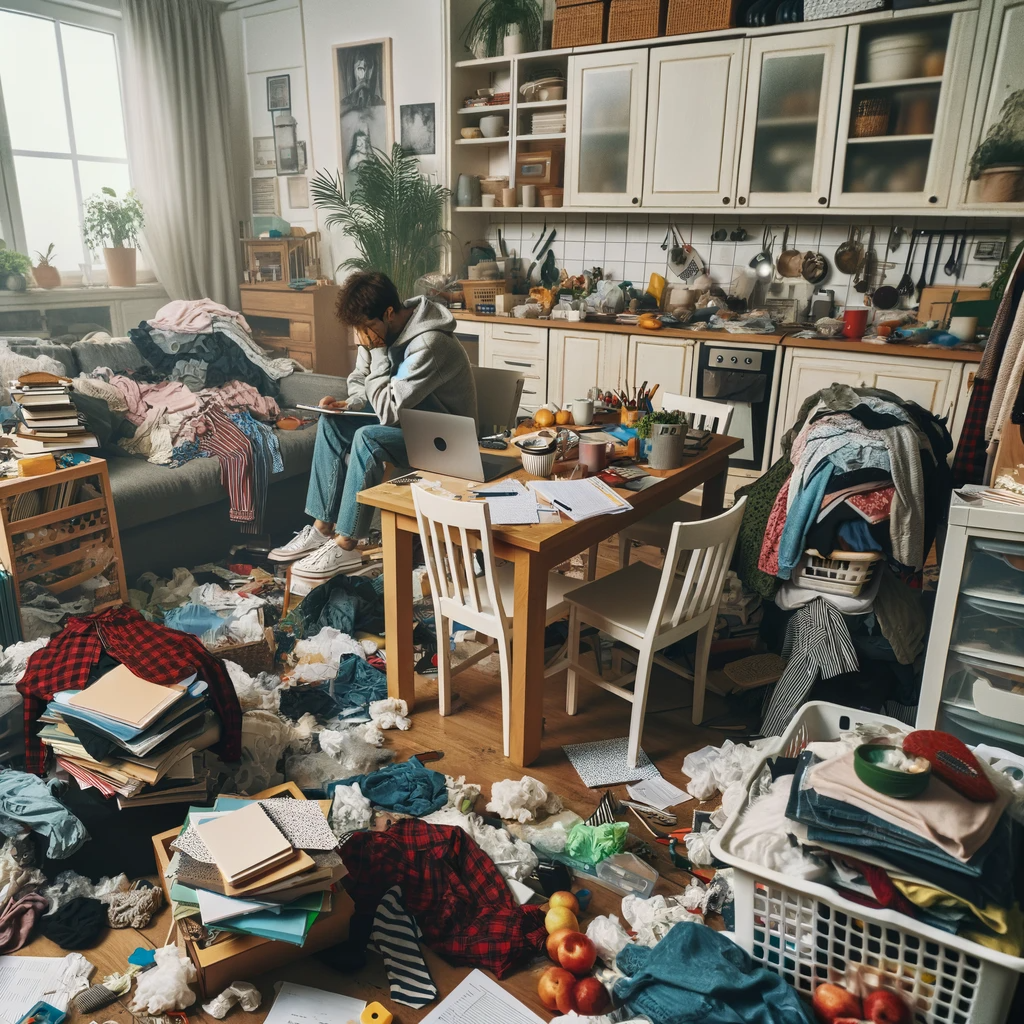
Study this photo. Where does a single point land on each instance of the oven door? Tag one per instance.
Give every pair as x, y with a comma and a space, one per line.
741, 378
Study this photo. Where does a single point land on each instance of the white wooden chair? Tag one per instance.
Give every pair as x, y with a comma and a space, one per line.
452, 532
649, 609
656, 528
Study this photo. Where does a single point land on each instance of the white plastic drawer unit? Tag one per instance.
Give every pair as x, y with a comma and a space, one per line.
974, 674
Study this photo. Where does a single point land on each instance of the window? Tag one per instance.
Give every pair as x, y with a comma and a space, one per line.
60, 95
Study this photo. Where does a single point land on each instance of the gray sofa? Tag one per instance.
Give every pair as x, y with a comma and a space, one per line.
170, 517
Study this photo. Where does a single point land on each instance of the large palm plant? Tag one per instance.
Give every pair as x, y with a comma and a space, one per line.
393, 214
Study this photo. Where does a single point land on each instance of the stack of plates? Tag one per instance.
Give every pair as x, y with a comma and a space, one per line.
549, 123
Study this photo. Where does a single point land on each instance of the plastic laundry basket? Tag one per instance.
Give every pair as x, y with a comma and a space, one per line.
809, 934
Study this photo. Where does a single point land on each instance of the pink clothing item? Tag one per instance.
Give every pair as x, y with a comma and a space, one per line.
234, 396
874, 506
768, 561
193, 316
145, 400
18, 919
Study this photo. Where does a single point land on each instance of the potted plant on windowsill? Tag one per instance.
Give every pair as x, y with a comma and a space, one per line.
113, 225
45, 273
998, 162
505, 27
14, 267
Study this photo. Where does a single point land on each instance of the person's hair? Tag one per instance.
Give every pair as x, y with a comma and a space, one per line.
366, 296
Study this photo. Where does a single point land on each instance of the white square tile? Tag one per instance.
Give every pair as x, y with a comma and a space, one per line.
974, 274
636, 252
615, 231
596, 229
574, 253
593, 254
655, 253
615, 252
834, 232
634, 272
636, 229
575, 232
657, 230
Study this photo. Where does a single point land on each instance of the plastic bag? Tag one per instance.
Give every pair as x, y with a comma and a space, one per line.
592, 843
608, 937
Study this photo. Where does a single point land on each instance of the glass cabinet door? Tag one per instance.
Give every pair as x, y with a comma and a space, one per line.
789, 127
605, 128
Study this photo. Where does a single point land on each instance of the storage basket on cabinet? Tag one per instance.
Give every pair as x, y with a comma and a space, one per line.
846, 572
871, 117
809, 934
685, 16
635, 19
481, 293
581, 24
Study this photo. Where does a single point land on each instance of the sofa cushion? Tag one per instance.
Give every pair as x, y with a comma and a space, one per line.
119, 356
145, 493
32, 349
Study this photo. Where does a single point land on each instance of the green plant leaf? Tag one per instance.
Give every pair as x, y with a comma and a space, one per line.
111, 221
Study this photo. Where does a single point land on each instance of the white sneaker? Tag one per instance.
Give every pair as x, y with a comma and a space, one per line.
308, 539
327, 561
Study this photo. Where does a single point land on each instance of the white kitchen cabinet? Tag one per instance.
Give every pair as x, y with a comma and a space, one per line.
667, 362
525, 350
997, 71
605, 128
693, 116
909, 163
580, 360
794, 84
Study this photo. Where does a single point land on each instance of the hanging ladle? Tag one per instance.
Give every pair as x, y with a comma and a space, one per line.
923, 280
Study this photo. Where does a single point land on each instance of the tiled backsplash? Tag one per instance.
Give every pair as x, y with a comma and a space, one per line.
629, 246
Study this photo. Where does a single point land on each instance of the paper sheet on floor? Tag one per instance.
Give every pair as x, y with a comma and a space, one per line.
657, 792
24, 980
603, 763
479, 1000
298, 1004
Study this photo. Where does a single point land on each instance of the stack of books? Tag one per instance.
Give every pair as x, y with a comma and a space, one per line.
264, 868
51, 422
133, 739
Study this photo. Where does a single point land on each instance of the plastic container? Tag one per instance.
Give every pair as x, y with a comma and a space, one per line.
847, 572
808, 934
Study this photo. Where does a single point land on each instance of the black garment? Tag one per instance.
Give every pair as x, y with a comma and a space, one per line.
297, 701
79, 924
823, 536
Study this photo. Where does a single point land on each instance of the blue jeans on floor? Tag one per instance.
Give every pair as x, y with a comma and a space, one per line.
334, 486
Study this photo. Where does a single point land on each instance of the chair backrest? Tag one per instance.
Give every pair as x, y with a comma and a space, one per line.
451, 531
700, 413
699, 552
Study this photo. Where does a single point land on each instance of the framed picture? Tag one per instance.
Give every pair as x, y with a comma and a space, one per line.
279, 92
365, 110
298, 192
264, 197
264, 156
417, 121
285, 143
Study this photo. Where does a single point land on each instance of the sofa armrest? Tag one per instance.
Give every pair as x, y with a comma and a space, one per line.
309, 388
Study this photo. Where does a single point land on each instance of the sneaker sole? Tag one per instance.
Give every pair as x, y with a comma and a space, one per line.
323, 574
274, 556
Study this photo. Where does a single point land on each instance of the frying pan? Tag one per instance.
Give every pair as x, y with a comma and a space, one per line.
885, 295
790, 261
814, 267
849, 254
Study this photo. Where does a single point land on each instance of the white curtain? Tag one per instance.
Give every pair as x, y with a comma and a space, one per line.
176, 95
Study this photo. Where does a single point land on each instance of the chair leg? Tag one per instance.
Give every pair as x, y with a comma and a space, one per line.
636, 721
625, 545
700, 670
591, 572
573, 644
444, 665
505, 660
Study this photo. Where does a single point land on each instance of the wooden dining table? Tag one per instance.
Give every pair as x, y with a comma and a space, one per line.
534, 550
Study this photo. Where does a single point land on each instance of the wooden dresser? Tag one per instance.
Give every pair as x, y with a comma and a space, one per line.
299, 324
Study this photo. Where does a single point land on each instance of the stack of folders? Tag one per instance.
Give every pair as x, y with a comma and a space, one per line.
50, 421
133, 739
265, 868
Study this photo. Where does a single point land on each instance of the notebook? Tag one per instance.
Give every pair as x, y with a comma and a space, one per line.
125, 697
244, 844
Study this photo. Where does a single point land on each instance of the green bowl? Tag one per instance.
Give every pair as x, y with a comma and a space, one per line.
887, 781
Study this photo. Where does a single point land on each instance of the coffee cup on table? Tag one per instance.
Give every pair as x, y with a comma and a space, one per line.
582, 412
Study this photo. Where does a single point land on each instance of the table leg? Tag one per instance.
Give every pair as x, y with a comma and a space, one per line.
527, 718
591, 566
713, 501
397, 546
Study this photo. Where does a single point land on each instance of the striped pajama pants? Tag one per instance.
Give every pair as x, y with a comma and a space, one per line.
396, 935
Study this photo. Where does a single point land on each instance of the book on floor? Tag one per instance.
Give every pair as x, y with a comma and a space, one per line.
244, 844
125, 697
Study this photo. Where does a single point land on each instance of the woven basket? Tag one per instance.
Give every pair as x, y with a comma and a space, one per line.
635, 19
493, 187
579, 25
255, 657
871, 118
685, 16
481, 293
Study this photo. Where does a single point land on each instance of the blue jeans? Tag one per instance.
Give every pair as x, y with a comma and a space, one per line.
334, 486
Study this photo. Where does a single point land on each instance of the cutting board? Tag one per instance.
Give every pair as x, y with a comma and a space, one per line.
935, 301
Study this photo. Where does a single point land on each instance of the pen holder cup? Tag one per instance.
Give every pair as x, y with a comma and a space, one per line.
538, 464
667, 445
629, 417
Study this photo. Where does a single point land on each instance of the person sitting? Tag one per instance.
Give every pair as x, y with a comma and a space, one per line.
407, 357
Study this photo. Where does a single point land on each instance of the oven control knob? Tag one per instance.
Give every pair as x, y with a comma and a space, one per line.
734, 359
719, 359
748, 361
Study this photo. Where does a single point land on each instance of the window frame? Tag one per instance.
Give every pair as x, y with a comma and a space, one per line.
12, 225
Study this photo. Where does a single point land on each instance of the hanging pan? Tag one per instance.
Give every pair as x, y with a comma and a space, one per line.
815, 267
849, 255
790, 261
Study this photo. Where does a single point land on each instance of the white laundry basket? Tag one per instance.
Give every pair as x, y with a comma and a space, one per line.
809, 934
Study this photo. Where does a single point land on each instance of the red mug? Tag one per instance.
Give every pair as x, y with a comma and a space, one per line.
855, 322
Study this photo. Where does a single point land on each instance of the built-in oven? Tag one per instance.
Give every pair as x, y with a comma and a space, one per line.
743, 376
469, 334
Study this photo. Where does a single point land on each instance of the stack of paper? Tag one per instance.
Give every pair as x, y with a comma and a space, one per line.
50, 421
581, 499
510, 503
133, 739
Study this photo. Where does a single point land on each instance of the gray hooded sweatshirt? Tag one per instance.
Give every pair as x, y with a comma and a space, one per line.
425, 367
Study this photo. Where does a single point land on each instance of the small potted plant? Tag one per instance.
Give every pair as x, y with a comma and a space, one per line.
998, 162
45, 273
504, 27
113, 225
14, 268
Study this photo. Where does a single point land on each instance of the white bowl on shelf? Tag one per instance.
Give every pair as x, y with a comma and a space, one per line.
892, 58
493, 126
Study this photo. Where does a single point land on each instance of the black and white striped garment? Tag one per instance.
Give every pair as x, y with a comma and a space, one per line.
817, 644
396, 936
604, 813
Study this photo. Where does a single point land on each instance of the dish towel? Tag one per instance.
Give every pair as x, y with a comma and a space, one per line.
397, 938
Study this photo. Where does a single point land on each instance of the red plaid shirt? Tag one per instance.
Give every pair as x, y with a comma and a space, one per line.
154, 652
459, 899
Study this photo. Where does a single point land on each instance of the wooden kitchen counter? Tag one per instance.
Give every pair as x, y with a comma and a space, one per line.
959, 355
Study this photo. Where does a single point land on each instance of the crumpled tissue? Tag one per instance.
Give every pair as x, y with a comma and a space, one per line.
522, 801
70, 885
318, 657
255, 693
551, 834
461, 794
165, 986
698, 846
14, 659
512, 857
653, 918
351, 811
608, 936
244, 993
390, 713
713, 769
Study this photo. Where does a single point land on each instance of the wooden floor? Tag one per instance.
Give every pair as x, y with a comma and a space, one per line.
471, 741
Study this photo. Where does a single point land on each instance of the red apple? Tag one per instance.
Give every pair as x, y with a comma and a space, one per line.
591, 997
831, 1002
885, 1007
555, 940
555, 990
577, 953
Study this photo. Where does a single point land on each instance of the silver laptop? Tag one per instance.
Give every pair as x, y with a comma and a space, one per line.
438, 442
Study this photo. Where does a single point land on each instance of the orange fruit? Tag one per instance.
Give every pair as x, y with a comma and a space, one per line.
563, 417
544, 418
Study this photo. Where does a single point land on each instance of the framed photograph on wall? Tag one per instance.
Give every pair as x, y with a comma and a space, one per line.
264, 157
417, 121
285, 144
364, 104
279, 92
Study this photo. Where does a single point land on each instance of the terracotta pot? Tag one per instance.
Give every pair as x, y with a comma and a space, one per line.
1001, 184
46, 277
120, 263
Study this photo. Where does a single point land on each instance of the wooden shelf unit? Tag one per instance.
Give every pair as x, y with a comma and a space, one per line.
76, 531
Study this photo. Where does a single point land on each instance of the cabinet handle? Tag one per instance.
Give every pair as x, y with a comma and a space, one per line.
635, 201
512, 362
529, 392
822, 200
933, 199
742, 200
725, 200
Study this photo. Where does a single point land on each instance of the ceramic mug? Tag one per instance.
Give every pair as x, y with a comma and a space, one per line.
583, 412
855, 322
594, 455
529, 195
487, 201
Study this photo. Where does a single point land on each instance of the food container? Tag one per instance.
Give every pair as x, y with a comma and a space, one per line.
867, 763
890, 58
538, 463
471, 133
493, 126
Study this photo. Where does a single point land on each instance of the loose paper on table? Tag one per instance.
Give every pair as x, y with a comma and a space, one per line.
581, 499
479, 1000
518, 510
